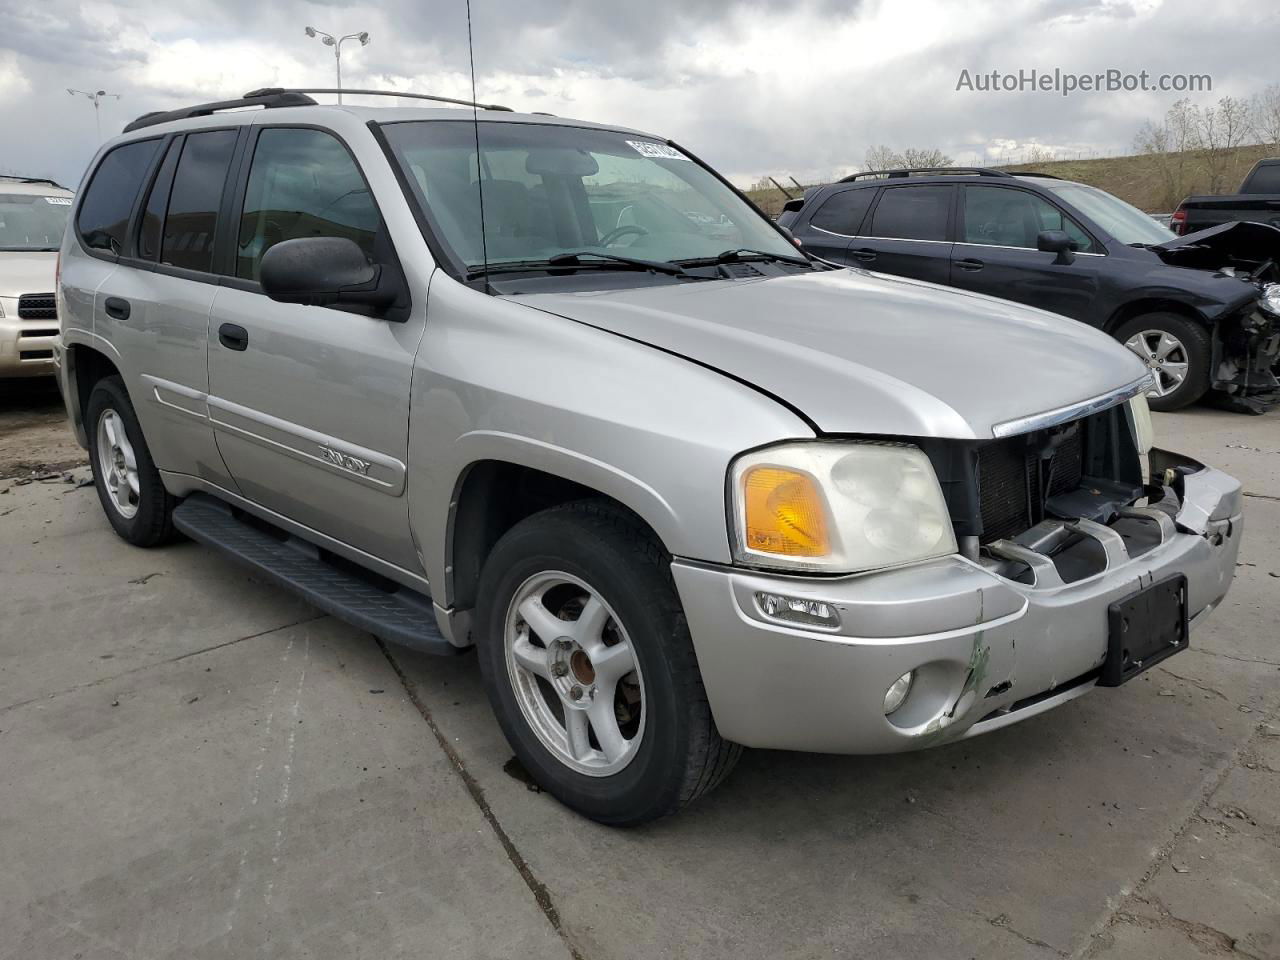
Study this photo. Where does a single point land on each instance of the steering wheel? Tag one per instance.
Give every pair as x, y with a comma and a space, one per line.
619, 232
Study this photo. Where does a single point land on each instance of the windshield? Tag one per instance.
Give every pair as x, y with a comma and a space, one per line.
551, 190
32, 222
1126, 223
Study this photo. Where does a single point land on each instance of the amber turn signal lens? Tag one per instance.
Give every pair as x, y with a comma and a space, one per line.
785, 513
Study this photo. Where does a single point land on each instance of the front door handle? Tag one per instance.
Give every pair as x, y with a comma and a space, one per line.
865, 254
117, 308
970, 264
233, 336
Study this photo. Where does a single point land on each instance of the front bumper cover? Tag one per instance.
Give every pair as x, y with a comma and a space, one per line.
987, 650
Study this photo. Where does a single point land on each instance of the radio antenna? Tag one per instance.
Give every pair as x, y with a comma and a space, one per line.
475, 120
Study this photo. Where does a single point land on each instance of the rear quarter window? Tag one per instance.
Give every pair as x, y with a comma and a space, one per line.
103, 218
844, 212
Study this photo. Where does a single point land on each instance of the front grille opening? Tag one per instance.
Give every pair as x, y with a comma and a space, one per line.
42, 332
35, 354
1018, 476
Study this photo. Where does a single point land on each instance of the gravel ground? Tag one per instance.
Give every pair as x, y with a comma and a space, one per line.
34, 435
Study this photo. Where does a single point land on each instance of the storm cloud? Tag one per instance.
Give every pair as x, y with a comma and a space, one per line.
800, 88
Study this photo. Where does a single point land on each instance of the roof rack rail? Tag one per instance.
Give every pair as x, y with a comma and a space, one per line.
21, 179
911, 171
378, 93
1034, 173
266, 98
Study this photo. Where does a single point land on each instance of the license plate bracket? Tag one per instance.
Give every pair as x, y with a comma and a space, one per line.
1145, 628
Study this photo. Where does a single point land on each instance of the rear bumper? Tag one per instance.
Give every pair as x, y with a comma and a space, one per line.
26, 346
987, 650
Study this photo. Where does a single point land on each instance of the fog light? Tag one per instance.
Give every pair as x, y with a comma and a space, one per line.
798, 610
897, 692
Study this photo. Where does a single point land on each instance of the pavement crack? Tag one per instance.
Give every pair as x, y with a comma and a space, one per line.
1209, 939
1260, 496
1005, 922
1227, 656
1096, 939
1199, 685
158, 663
539, 890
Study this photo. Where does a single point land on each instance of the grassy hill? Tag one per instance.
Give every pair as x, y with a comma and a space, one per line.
1143, 180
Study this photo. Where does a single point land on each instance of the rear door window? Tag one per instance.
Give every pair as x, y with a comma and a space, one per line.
302, 183
152, 221
192, 217
912, 213
844, 212
103, 218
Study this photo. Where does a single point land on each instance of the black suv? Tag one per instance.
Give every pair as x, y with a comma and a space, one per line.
1199, 309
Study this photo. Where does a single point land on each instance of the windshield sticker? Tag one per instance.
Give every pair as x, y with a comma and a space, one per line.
58, 201
656, 151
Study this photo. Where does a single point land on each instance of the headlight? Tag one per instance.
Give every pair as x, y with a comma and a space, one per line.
1144, 433
837, 507
1270, 300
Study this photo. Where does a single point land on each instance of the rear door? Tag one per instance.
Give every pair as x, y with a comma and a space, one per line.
310, 405
996, 252
908, 233
835, 223
153, 308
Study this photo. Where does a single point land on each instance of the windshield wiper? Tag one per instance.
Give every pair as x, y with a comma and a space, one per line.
747, 253
575, 261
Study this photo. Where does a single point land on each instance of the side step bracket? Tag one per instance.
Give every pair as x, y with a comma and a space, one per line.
402, 616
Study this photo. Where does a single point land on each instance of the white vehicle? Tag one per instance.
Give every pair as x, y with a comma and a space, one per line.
33, 215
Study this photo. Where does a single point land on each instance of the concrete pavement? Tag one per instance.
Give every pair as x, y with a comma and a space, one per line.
193, 764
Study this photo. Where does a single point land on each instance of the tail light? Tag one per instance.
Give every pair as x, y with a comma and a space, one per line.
1178, 222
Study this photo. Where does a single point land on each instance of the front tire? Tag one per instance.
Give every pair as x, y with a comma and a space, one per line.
129, 487
589, 667
1177, 352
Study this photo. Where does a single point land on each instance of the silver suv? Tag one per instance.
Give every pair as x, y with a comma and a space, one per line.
558, 392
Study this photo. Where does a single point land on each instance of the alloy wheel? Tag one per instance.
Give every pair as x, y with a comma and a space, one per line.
1165, 356
117, 464
575, 674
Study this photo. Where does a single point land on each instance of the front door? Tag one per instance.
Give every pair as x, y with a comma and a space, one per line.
310, 405
996, 253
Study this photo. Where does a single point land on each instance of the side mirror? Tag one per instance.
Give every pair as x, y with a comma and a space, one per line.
1057, 241
326, 272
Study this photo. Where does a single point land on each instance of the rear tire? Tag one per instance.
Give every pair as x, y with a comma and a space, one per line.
569, 568
129, 487
1180, 346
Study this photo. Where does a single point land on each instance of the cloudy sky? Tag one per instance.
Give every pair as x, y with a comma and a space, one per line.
800, 88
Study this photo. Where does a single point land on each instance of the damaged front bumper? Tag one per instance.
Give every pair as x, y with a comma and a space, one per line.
990, 642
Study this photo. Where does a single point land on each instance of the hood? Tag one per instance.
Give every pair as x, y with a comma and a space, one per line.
1216, 247
28, 271
865, 353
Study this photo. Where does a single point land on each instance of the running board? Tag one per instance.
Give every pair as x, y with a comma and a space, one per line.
400, 616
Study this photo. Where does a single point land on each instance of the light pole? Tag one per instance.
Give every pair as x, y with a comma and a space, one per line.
96, 97
336, 42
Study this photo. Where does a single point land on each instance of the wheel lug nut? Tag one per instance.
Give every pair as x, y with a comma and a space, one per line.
564, 643
559, 669
575, 693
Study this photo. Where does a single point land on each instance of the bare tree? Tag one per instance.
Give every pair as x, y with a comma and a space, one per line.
1168, 143
1220, 129
1265, 110
881, 157
932, 157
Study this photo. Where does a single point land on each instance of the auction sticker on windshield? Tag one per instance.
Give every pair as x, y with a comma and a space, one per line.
656, 151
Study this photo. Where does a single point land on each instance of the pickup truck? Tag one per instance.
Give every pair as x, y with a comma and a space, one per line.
1257, 200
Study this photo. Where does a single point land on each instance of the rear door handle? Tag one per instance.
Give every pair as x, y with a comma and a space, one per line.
117, 308
970, 264
865, 254
233, 336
